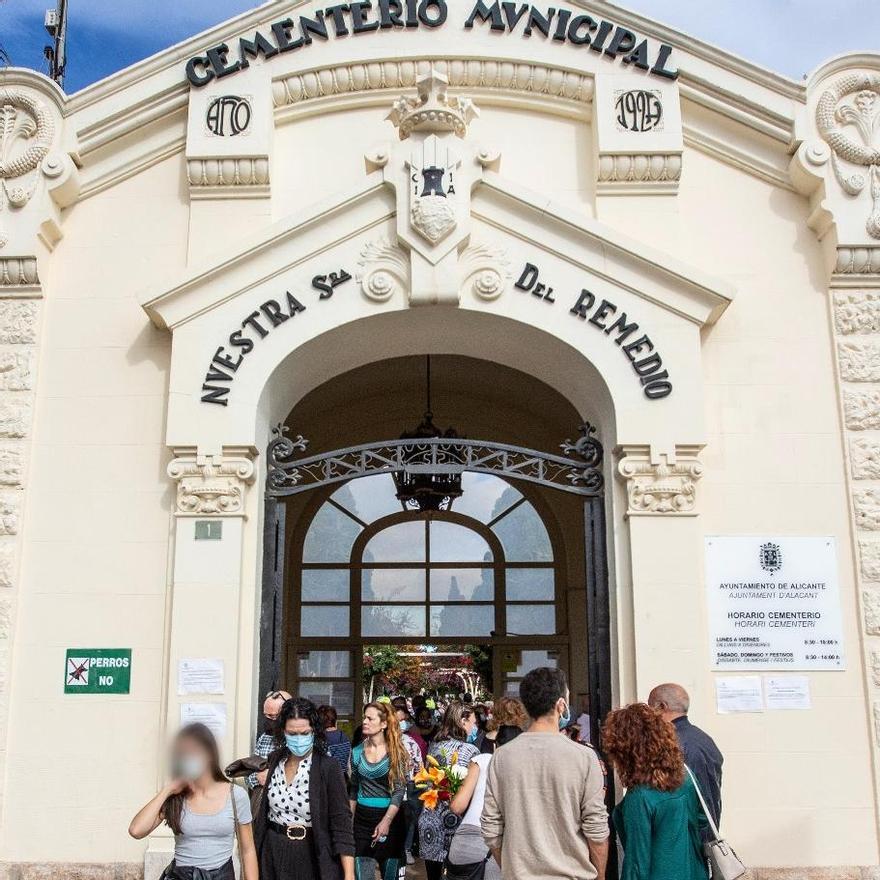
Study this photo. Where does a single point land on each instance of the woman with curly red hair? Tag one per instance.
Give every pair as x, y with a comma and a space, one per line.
659, 819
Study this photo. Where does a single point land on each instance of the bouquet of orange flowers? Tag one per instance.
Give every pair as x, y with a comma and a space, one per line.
439, 782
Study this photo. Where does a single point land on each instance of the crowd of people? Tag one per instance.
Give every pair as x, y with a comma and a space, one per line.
529, 799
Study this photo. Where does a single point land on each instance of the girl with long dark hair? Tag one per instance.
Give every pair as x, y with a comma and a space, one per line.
303, 825
203, 809
454, 746
379, 772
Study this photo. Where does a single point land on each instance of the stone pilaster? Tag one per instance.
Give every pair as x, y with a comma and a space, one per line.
211, 484
838, 167
19, 324
856, 321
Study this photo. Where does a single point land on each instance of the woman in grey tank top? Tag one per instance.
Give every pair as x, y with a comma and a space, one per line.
201, 807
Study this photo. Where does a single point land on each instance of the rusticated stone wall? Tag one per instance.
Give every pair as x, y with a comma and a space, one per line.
19, 327
856, 315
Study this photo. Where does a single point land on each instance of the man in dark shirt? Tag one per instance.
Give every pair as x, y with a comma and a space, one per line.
699, 749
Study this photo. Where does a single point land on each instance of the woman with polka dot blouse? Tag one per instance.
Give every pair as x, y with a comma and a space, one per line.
303, 825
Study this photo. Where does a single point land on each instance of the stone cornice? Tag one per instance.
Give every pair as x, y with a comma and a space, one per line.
260, 253
489, 79
677, 287
681, 289
154, 91
707, 55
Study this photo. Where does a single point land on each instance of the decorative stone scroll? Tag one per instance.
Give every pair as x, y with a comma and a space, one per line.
383, 270
848, 126
485, 270
660, 484
23, 119
211, 485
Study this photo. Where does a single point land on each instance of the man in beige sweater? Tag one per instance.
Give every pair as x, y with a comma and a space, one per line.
544, 815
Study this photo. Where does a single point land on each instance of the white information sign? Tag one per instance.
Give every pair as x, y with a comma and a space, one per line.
774, 603
200, 676
212, 715
740, 693
787, 691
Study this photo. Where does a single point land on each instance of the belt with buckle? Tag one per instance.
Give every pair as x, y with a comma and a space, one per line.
291, 832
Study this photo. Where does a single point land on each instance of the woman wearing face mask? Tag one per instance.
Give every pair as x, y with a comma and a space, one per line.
417, 749
456, 737
303, 826
198, 806
379, 772
408, 728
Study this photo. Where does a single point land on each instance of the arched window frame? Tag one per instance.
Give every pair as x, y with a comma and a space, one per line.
302, 645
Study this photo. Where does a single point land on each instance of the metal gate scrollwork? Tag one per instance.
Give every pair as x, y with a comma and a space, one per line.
577, 470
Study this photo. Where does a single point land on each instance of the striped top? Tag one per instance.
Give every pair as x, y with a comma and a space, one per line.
369, 782
339, 748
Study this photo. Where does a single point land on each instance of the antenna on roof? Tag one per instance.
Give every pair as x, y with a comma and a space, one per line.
56, 54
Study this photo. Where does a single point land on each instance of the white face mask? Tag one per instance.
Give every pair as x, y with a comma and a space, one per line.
189, 767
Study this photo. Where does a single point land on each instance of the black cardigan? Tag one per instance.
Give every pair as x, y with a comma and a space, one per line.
331, 813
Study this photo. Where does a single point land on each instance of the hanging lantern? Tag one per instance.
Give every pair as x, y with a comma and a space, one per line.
431, 479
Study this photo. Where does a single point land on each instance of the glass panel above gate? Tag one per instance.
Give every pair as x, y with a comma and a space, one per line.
331, 536
485, 497
404, 542
369, 498
523, 535
451, 542
485, 567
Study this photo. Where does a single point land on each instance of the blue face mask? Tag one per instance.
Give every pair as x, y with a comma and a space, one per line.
299, 744
405, 725
472, 736
565, 720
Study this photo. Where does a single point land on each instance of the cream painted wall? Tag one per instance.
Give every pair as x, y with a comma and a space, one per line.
759, 389
96, 551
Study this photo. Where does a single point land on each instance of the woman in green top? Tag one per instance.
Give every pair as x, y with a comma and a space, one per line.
379, 772
659, 819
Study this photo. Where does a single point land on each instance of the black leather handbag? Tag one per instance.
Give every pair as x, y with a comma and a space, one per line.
471, 871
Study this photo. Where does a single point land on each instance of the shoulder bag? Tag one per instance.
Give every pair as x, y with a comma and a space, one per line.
237, 828
472, 871
723, 861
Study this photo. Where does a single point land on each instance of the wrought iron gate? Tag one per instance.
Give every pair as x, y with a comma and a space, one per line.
578, 470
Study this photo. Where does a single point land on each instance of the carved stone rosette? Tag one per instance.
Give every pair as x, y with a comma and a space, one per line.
660, 484
212, 485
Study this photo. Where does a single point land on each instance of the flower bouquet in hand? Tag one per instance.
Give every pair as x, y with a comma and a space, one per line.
438, 782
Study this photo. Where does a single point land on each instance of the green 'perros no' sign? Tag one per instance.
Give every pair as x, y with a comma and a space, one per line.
97, 671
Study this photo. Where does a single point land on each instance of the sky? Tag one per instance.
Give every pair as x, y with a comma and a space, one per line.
788, 36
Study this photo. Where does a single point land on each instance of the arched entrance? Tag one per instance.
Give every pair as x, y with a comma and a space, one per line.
516, 564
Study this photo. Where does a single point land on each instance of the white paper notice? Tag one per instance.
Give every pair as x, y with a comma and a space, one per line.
774, 604
199, 676
212, 715
787, 691
739, 694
